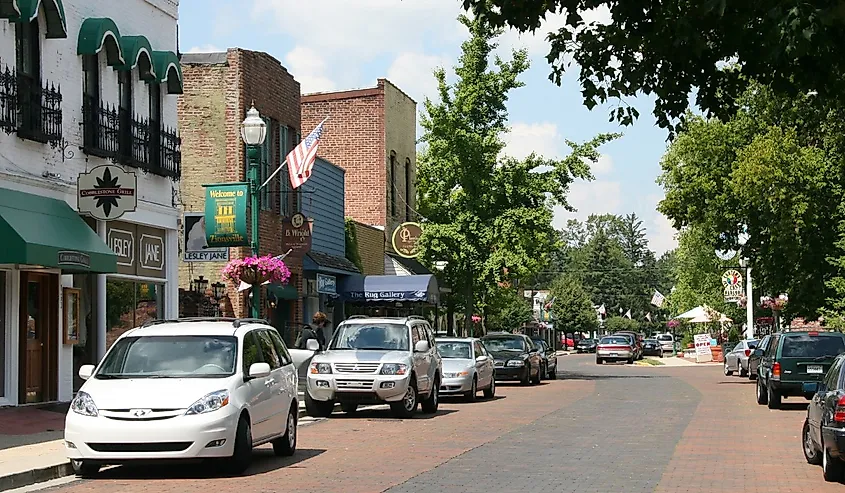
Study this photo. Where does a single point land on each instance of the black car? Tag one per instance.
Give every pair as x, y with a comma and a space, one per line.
549, 358
823, 437
516, 357
586, 346
652, 347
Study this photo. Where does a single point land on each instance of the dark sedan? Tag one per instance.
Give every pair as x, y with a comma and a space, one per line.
586, 346
516, 357
823, 436
652, 347
549, 358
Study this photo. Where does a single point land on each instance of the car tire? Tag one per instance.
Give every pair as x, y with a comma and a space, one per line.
831, 468
473, 391
84, 468
774, 397
599, 361
751, 376
811, 453
727, 370
286, 445
318, 409
527, 379
553, 373
490, 392
432, 403
762, 394
536, 380
631, 361
408, 405
241, 458
349, 407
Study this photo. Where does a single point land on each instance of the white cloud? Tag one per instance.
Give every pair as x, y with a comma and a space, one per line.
309, 69
594, 197
540, 138
205, 49
661, 234
414, 73
536, 42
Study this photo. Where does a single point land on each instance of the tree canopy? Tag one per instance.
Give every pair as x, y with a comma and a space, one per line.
674, 48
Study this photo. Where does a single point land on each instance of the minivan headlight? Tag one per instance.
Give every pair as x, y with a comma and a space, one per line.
320, 368
83, 404
394, 369
209, 403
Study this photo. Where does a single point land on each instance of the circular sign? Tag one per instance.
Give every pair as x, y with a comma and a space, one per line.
405, 238
732, 278
297, 220
726, 254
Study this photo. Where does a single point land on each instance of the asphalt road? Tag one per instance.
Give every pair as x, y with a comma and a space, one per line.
595, 429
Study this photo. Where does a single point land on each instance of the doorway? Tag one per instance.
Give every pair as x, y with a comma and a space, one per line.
39, 299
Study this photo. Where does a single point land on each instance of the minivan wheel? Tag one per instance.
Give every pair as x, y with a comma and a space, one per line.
762, 395
318, 409
811, 453
286, 445
831, 468
84, 468
408, 405
431, 404
242, 456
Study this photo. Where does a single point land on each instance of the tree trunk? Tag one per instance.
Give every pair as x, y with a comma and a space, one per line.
468, 304
450, 317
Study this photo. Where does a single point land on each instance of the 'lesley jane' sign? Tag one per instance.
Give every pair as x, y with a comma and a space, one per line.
225, 215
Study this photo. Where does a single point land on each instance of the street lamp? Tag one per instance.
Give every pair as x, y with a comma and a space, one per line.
253, 133
218, 289
441, 265
745, 263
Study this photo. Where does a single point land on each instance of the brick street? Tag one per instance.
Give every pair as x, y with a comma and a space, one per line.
595, 429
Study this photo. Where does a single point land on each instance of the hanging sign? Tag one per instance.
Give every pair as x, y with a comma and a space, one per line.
196, 246
326, 284
296, 235
225, 215
732, 281
106, 192
405, 238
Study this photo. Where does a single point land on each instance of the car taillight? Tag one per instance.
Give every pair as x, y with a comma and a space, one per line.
747, 353
776, 370
814, 333
839, 412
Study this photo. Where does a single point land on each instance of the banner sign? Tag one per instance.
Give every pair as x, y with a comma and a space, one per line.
326, 284
296, 235
225, 215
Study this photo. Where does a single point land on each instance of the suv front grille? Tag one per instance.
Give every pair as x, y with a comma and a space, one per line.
354, 384
140, 447
356, 367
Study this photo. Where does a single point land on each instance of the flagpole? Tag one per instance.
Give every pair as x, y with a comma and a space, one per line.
279, 168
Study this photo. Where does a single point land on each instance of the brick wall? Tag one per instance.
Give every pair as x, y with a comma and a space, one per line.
353, 138
216, 99
371, 248
400, 138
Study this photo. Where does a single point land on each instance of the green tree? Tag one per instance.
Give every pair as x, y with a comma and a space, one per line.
632, 236
615, 324
489, 216
508, 310
673, 48
572, 309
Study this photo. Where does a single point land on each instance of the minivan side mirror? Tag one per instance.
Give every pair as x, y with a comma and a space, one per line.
481, 359
259, 370
85, 371
312, 345
758, 352
421, 347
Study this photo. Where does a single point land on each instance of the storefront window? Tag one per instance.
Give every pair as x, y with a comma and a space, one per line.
130, 304
2, 334
85, 350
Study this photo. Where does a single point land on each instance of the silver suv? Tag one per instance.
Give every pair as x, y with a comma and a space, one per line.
376, 361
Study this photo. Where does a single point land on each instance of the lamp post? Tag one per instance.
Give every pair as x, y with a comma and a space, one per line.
440, 265
253, 133
749, 296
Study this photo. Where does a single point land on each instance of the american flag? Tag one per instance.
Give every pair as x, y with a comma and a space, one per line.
301, 158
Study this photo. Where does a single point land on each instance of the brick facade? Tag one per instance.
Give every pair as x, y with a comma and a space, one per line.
219, 88
365, 128
371, 248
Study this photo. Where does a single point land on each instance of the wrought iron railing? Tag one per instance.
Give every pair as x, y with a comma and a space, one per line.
101, 128
39, 111
8, 100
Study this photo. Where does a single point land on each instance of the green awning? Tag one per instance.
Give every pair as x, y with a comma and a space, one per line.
168, 70
137, 52
98, 33
27, 11
286, 292
43, 231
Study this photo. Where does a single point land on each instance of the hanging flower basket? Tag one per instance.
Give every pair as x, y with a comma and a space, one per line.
774, 304
673, 324
257, 270
476, 318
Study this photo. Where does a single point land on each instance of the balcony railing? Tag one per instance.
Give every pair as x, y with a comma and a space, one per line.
33, 111
132, 140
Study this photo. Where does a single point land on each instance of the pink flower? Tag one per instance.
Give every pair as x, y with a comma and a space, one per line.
260, 269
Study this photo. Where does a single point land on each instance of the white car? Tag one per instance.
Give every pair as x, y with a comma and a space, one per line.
186, 389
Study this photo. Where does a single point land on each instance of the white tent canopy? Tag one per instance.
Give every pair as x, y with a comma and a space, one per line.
704, 314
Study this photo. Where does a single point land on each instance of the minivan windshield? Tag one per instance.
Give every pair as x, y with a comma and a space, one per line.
170, 357
377, 337
810, 346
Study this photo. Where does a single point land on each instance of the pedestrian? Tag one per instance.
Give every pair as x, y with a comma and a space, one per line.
314, 331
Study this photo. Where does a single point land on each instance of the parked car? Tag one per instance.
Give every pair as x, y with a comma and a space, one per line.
467, 368
737, 359
636, 343
586, 346
652, 347
615, 348
376, 360
549, 356
516, 357
191, 389
667, 342
754, 358
823, 436
793, 363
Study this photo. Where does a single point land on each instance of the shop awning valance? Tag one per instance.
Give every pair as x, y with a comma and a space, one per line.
390, 288
27, 11
98, 33
283, 292
137, 52
43, 231
168, 70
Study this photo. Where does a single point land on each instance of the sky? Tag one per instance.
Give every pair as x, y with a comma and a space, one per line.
344, 44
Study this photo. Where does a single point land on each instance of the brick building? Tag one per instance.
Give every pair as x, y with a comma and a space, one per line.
218, 91
371, 133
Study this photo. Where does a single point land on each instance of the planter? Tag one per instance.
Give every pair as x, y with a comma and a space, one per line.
256, 270
718, 357
250, 275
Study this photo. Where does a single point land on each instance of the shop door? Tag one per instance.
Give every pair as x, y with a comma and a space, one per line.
36, 334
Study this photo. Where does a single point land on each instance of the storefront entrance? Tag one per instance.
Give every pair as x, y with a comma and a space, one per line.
39, 329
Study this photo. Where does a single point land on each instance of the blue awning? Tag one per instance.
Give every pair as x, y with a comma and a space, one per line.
390, 288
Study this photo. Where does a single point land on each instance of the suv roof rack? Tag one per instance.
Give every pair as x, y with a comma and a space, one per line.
357, 316
416, 317
236, 322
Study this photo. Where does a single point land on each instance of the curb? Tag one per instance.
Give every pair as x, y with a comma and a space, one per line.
33, 476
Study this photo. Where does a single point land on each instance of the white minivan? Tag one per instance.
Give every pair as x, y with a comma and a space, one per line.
185, 389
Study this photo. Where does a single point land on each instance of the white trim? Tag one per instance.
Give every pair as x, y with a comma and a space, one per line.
149, 57
167, 71
143, 279
117, 41
8, 343
163, 251
132, 258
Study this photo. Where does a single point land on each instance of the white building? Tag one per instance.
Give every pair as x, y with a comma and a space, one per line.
84, 84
